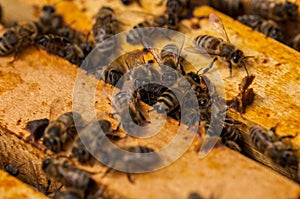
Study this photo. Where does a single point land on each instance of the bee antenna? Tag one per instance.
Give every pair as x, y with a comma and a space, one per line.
199, 70
247, 57
244, 65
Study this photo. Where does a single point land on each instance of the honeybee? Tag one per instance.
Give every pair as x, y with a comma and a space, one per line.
104, 30
77, 37
50, 20
146, 83
12, 169
61, 131
275, 147
128, 108
296, 42
218, 47
61, 47
245, 97
178, 7
275, 10
36, 129
90, 133
19, 36
72, 177
267, 27
230, 7
140, 32
170, 62
230, 134
113, 73
128, 163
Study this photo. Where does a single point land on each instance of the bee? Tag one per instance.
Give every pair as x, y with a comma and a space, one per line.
218, 47
72, 177
114, 72
36, 129
230, 7
140, 32
89, 133
275, 147
170, 62
60, 132
146, 83
268, 27
61, 47
12, 169
104, 30
50, 20
230, 134
177, 7
77, 37
129, 110
245, 97
274, 10
296, 42
19, 36
128, 163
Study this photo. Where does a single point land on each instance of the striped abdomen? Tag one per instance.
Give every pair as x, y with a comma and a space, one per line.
208, 43
260, 138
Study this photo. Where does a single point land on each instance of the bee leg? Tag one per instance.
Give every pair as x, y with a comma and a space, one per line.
210, 65
287, 137
233, 145
106, 172
230, 68
129, 178
14, 58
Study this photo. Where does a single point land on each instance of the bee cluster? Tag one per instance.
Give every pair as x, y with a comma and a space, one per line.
276, 19
162, 82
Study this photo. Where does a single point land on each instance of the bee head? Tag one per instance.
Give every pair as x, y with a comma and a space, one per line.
291, 9
173, 20
194, 76
288, 158
49, 9
52, 144
46, 163
237, 56
105, 125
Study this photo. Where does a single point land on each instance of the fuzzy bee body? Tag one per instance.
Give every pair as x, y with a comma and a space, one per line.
61, 131
275, 147
104, 30
267, 27
69, 176
230, 7
19, 36
276, 10
50, 20
62, 47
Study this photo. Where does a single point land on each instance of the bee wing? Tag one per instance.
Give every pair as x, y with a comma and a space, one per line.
57, 107
217, 24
